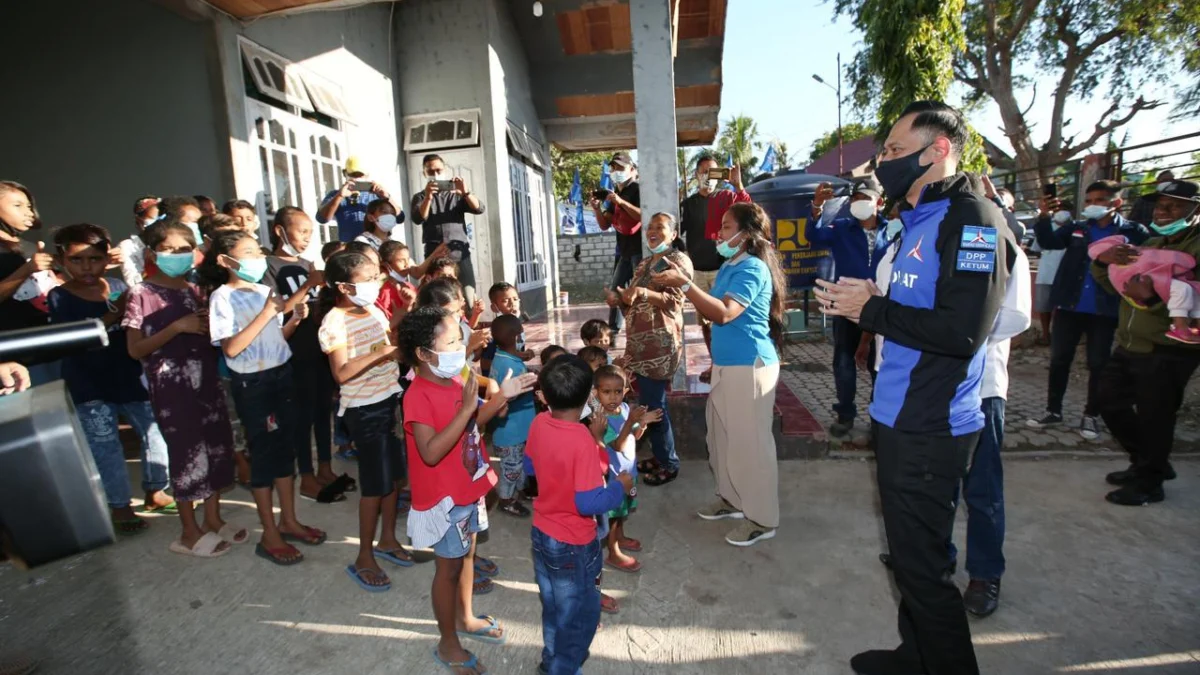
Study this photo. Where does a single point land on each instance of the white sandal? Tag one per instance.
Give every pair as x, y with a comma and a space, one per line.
229, 532
205, 547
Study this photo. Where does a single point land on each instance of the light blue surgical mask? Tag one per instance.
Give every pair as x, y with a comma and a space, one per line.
174, 264
725, 250
661, 248
892, 228
449, 363
619, 177
195, 232
1171, 228
1094, 212
252, 269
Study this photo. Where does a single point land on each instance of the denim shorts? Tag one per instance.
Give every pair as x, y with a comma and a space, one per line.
264, 406
464, 522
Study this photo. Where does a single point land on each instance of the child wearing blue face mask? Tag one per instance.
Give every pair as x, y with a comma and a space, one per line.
166, 329
245, 320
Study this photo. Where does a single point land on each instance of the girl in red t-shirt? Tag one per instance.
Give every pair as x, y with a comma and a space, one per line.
449, 472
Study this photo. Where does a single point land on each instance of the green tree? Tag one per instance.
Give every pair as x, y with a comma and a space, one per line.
984, 44
850, 132
782, 161
739, 138
563, 165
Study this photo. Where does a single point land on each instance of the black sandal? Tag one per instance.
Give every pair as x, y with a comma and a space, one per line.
660, 477
650, 465
514, 508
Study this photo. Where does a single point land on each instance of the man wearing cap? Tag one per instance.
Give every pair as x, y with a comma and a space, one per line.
857, 243
621, 210
699, 224
1143, 208
348, 205
1142, 385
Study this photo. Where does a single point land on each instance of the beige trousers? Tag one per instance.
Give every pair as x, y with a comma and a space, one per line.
741, 447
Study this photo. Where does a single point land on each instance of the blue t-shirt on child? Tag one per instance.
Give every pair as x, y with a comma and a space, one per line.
747, 338
513, 428
107, 374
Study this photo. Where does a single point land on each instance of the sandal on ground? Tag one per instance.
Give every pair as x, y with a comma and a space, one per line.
359, 576
609, 604
515, 508
348, 483
482, 634
472, 663
311, 537
660, 476
630, 544
281, 556
629, 568
205, 547
331, 493
173, 507
648, 465
233, 534
393, 557
485, 567
482, 586
130, 526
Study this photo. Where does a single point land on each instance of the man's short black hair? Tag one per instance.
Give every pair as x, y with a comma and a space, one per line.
566, 382
934, 118
171, 206
594, 328
228, 207
592, 353
498, 288
430, 157
550, 353
1112, 187
706, 156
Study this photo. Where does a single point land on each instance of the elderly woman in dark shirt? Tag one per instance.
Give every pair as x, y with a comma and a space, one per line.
654, 339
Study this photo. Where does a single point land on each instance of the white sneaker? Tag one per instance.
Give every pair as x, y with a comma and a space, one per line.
1089, 428
749, 533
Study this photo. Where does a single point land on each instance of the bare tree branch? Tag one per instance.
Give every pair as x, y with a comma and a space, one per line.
1017, 26
1032, 100
1103, 128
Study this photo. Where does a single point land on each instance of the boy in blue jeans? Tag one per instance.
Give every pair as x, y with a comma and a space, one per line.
510, 432
573, 491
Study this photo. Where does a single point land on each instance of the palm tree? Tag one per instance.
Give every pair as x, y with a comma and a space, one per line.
739, 138
686, 161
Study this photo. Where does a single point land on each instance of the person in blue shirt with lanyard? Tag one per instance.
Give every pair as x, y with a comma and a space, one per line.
745, 306
857, 243
948, 283
1082, 307
348, 204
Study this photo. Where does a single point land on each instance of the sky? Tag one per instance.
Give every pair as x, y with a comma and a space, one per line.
773, 47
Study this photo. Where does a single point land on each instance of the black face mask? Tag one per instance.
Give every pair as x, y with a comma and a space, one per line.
898, 175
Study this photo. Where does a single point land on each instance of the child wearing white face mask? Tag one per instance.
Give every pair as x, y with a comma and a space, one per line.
354, 333
380, 221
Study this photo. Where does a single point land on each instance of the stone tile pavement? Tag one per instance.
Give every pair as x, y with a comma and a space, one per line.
808, 372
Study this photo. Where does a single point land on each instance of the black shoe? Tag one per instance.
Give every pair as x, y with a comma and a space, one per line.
982, 597
884, 662
1048, 420
1132, 495
841, 427
886, 559
1127, 476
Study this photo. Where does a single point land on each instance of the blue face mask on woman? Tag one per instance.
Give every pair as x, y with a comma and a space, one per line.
174, 265
252, 269
725, 250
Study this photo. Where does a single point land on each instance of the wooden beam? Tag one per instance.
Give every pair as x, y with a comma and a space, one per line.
622, 102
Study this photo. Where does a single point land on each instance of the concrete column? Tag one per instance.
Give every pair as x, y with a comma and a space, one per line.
654, 100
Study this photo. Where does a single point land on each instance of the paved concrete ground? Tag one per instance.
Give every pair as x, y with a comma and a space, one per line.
1090, 588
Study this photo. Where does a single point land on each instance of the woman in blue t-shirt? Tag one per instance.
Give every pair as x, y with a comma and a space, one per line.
746, 308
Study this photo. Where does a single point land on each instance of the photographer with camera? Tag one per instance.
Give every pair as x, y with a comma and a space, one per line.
621, 210
348, 204
442, 208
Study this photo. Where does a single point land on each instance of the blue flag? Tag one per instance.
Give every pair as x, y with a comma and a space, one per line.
576, 196
768, 163
605, 179
729, 162
579, 218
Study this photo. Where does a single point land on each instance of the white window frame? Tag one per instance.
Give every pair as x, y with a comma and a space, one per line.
293, 93
326, 96
456, 116
307, 190
529, 220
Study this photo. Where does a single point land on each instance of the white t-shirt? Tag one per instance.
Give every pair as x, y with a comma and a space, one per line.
361, 334
230, 311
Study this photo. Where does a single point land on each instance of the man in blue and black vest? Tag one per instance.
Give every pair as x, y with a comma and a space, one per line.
1082, 307
858, 243
948, 283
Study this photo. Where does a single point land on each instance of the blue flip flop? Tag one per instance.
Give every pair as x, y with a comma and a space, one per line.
485, 567
356, 575
471, 663
391, 557
482, 634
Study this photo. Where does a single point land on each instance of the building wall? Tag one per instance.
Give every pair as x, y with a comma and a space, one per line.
595, 264
348, 47
108, 101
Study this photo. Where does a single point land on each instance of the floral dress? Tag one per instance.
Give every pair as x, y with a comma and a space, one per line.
185, 392
654, 336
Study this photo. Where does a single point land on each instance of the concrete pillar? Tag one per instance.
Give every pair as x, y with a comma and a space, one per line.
654, 100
